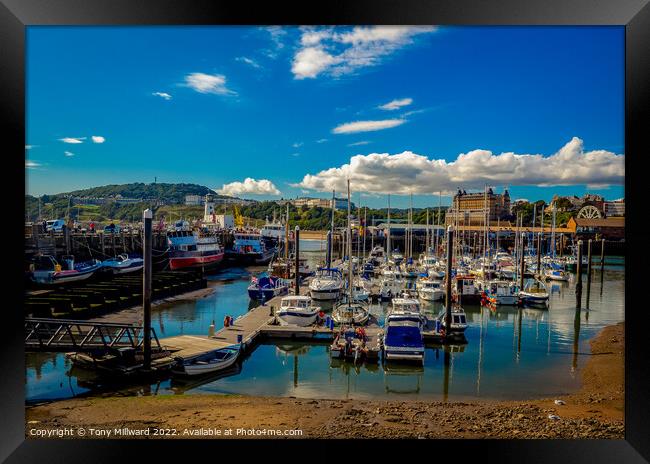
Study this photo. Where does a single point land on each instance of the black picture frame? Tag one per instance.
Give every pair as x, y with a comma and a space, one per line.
15, 15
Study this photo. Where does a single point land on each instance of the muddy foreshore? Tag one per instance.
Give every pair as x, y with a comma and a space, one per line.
595, 411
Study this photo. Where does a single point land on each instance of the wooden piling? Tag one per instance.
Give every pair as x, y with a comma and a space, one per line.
450, 245
297, 252
147, 215
588, 272
602, 254
522, 265
579, 276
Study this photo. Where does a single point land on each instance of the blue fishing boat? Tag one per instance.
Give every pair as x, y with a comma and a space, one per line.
267, 287
47, 271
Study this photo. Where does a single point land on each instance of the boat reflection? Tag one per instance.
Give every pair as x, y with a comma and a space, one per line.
181, 385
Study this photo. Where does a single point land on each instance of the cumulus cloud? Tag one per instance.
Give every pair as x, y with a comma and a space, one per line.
396, 104
367, 126
408, 172
250, 186
68, 153
163, 95
328, 51
31, 164
248, 61
208, 83
98, 139
72, 139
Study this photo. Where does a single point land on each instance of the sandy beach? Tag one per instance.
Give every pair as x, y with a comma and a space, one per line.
595, 411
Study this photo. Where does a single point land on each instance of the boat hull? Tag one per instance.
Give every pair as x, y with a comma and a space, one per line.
201, 261
208, 368
298, 318
266, 293
431, 296
322, 295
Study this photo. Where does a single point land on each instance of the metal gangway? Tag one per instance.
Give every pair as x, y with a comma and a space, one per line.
42, 334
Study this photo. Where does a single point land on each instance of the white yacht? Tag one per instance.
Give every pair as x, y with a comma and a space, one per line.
326, 284
297, 310
430, 289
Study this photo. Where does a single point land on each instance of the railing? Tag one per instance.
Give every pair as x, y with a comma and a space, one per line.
72, 335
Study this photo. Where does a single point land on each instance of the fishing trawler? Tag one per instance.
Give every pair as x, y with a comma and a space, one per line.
189, 250
464, 289
248, 247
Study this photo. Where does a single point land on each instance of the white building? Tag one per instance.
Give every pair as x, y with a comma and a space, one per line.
194, 200
614, 208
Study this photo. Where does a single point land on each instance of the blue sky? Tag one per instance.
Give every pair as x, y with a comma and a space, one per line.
284, 106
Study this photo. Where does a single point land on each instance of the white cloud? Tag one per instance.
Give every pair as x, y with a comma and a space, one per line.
31, 164
68, 153
249, 187
321, 140
277, 34
72, 139
208, 83
405, 172
326, 51
356, 144
367, 126
163, 95
98, 139
297, 145
248, 61
396, 104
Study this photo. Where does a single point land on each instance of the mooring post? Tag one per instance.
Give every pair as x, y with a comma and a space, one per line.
523, 265
450, 246
588, 273
147, 215
66, 238
579, 276
602, 254
297, 251
35, 236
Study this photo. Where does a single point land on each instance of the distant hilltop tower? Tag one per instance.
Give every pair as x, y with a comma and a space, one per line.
208, 212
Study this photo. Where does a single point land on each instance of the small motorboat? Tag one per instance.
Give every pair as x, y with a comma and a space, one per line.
48, 271
297, 310
267, 287
430, 290
123, 264
213, 361
349, 344
556, 274
501, 292
403, 341
534, 293
458, 323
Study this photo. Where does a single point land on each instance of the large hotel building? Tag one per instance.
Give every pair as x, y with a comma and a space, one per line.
469, 208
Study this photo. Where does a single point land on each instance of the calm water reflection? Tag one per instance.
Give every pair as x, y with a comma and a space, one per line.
511, 353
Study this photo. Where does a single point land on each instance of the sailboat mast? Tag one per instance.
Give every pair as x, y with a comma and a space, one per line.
349, 247
426, 246
286, 242
365, 225
332, 225
388, 236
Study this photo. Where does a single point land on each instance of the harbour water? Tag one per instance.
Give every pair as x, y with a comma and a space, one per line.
511, 353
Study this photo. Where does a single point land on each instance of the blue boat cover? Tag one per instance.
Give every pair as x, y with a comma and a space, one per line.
406, 336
